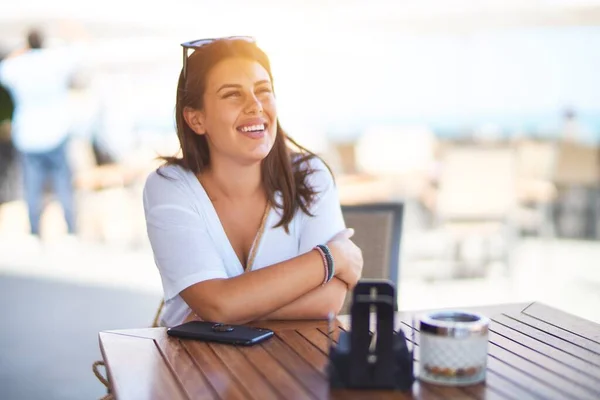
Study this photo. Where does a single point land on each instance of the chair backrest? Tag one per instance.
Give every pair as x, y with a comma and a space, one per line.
577, 164
377, 231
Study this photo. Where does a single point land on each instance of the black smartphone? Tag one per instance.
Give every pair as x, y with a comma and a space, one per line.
222, 333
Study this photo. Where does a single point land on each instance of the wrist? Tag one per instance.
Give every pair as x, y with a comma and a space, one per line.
324, 264
328, 263
339, 267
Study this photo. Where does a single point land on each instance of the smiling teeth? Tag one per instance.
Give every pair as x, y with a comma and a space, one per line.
253, 128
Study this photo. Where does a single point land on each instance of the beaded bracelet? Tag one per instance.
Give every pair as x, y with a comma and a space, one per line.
325, 264
330, 263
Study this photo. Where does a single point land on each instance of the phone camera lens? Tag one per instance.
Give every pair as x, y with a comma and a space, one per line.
222, 328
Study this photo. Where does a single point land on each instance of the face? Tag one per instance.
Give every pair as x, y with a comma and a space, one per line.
239, 117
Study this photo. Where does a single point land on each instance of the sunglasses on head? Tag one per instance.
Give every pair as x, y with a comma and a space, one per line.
196, 44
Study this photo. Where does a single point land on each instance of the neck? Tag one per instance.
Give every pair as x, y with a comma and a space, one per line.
233, 181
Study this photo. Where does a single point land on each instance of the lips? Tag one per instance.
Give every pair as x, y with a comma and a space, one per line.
254, 129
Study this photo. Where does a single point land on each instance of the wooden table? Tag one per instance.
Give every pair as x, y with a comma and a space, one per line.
535, 352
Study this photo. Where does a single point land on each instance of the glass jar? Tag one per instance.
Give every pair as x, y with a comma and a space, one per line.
453, 348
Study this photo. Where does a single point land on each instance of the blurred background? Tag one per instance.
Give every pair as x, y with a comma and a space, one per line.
482, 117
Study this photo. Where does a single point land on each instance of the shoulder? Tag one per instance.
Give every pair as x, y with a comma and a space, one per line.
168, 175
319, 177
168, 184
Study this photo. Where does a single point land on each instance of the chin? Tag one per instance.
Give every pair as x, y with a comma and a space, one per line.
256, 155
259, 150
262, 149
261, 153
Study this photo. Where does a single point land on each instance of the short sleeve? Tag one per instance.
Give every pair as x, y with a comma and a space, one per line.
326, 220
184, 252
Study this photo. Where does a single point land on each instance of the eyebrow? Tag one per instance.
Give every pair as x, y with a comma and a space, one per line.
237, 86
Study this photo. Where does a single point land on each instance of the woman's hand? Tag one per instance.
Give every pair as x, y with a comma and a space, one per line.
347, 258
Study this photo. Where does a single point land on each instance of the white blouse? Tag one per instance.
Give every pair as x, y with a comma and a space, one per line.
190, 244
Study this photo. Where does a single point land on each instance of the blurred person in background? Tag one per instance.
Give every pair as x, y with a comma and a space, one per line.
39, 80
8, 169
237, 224
573, 131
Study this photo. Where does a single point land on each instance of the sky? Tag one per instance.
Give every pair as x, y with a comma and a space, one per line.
341, 67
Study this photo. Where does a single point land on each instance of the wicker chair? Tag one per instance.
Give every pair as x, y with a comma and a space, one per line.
378, 230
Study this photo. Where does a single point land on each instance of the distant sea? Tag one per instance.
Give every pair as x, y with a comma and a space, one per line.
542, 125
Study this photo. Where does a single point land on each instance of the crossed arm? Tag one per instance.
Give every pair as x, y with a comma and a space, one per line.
287, 290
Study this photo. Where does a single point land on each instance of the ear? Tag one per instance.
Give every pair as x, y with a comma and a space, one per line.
195, 120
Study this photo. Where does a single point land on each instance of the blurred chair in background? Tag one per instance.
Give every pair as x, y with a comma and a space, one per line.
355, 185
109, 193
577, 178
576, 165
536, 190
346, 152
378, 233
475, 205
389, 163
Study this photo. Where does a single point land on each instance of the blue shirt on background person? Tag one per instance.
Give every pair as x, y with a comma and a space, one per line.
39, 81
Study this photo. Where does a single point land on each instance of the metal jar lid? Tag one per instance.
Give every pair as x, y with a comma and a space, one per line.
456, 324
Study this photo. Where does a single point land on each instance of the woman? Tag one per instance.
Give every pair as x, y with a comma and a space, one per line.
235, 222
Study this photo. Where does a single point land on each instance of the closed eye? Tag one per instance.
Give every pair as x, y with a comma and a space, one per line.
231, 94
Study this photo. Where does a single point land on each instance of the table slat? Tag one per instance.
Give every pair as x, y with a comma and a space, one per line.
335, 333
144, 364
508, 388
272, 371
317, 338
551, 315
313, 381
346, 394
557, 343
180, 361
215, 372
582, 367
550, 378
568, 335
244, 372
483, 391
447, 392
311, 354
568, 373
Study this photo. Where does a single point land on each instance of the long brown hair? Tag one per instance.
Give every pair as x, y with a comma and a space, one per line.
285, 168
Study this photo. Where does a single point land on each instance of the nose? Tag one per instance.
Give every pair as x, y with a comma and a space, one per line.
254, 105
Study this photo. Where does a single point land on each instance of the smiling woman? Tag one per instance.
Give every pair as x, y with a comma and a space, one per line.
246, 224
246, 106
